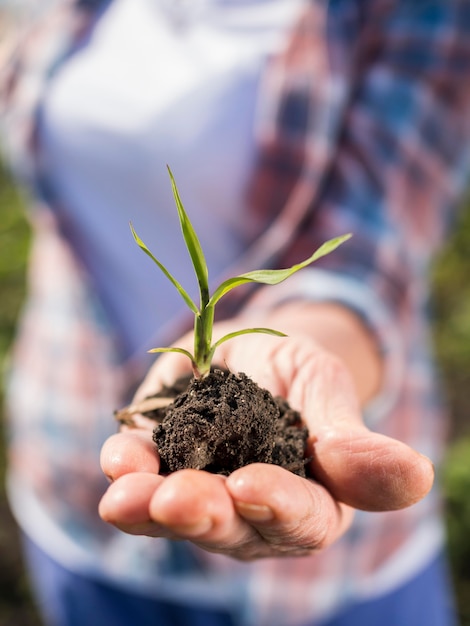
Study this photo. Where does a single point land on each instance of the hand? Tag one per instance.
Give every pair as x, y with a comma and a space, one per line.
263, 510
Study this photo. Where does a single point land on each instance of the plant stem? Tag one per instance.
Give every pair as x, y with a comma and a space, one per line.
203, 324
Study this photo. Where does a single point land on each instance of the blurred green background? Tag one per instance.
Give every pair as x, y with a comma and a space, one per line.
451, 312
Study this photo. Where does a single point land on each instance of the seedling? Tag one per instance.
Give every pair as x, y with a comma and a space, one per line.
204, 348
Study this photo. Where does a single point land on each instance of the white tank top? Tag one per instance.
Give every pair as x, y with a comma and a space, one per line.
159, 82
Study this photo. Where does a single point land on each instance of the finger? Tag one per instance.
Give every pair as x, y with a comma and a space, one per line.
195, 505
370, 471
127, 452
292, 514
126, 504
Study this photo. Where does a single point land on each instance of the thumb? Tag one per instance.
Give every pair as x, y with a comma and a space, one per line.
370, 471
363, 469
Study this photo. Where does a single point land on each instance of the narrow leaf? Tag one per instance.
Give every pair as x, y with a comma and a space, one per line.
179, 350
192, 243
246, 331
273, 277
173, 280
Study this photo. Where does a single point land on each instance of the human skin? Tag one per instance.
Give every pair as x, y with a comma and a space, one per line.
327, 368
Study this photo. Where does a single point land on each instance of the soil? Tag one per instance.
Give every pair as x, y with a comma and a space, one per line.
225, 421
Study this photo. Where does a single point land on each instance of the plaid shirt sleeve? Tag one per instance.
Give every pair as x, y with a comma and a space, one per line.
37, 37
379, 148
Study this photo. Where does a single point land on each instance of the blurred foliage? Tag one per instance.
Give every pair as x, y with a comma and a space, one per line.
451, 327
16, 607
14, 244
451, 317
451, 331
456, 482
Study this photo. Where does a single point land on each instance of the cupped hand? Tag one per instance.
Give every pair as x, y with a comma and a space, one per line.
263, 510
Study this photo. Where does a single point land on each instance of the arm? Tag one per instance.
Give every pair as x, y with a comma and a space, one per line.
392, 182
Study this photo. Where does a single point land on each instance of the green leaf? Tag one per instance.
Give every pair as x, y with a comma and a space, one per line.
246, 331
273, 277
173, 280
204, 316
192, 243
179, 350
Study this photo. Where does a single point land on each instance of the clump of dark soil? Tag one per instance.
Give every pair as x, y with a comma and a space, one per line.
225, 421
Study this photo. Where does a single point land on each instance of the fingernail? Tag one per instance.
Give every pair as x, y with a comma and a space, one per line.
423, 456
254, 512
194, 530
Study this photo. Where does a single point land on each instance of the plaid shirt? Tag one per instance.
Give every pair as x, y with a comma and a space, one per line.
364, 127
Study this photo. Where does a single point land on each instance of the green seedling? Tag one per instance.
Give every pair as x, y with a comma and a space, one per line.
204, 348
